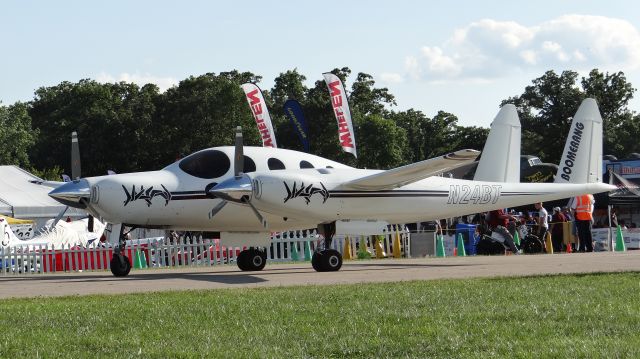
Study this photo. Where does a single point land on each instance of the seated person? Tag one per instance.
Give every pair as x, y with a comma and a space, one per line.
498, 222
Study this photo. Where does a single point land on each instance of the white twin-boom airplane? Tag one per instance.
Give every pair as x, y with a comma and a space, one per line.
247, 192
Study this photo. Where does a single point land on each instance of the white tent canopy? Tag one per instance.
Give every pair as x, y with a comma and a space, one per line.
20, 198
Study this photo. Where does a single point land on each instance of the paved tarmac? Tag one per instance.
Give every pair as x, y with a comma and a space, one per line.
294, 274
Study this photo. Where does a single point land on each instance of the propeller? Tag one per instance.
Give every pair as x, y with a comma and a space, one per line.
239, 188
76, 174
75, 156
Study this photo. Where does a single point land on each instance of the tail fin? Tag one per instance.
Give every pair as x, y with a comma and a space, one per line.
582, 156
500, 159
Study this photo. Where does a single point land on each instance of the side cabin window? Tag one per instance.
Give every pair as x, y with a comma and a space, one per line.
249, 165
206, 164
305, 164
275, 164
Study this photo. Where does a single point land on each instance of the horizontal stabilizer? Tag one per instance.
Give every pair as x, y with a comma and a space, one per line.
401, 176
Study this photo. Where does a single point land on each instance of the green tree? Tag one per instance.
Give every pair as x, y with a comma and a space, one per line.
381, 143
112, 122
288, 85
16, 135
440, 134
470, 137
414, 124
203, 112
546, 109
366, 99
613, 93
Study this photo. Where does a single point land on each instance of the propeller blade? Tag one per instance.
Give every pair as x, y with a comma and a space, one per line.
217, 209
90, 224
238, 160
255, 210
75, 156
58, 217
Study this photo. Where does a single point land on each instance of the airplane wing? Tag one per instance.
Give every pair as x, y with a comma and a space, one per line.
401, 176
52, 184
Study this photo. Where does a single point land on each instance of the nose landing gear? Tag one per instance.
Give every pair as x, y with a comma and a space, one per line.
120, 264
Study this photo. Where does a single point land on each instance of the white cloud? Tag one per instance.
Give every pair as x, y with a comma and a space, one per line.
391, 78
488, 49
163, 83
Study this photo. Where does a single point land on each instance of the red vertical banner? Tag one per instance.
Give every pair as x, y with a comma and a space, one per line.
260, 114
343, 114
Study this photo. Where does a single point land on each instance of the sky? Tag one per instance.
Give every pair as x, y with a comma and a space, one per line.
462, 57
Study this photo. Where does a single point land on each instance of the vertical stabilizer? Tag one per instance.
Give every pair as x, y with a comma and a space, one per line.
582, 156
500, 159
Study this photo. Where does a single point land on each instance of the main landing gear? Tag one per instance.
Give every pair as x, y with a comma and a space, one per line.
326, 259
120, 264
252, 259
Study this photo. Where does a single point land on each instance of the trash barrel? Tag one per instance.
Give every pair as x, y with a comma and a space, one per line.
468, 232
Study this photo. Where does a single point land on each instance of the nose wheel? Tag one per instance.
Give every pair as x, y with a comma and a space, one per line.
120, 265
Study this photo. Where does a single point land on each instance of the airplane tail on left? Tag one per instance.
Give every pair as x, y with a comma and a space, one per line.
500, 159
582, 156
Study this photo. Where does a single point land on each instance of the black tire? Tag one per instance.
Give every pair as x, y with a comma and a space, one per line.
317, 262
252, 260
120, 265
488, 246
257, 260
242, 260
532, 245
331, 260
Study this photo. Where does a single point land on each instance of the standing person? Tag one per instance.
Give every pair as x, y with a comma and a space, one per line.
557, 231
583, 208
573, 242
543, 220
614, 218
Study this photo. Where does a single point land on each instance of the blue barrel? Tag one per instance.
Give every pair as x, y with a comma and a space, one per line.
468, 232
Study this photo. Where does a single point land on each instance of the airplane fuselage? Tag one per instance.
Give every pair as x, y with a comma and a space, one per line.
294, 198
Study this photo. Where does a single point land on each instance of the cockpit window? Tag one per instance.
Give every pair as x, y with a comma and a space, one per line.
249, 165
305, 164
275, 164
206, 164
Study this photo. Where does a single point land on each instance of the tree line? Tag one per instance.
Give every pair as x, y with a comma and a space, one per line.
126, 127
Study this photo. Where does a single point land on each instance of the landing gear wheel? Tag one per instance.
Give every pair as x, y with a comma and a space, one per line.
120, 265
328, 260
332, 260
316, 261
242, 260
252, 260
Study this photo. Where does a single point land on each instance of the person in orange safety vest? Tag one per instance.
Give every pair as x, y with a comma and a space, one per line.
583, 209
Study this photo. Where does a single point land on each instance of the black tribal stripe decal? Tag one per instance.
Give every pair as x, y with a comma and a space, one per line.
146, 195
305, 192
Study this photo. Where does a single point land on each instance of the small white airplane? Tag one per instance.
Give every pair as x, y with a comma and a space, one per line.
287, 189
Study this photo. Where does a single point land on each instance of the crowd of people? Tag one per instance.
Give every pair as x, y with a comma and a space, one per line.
578, 212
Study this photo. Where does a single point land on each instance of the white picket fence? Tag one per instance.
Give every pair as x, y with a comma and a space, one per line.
160, 252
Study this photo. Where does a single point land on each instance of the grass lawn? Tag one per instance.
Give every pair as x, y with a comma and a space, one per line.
554, 316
